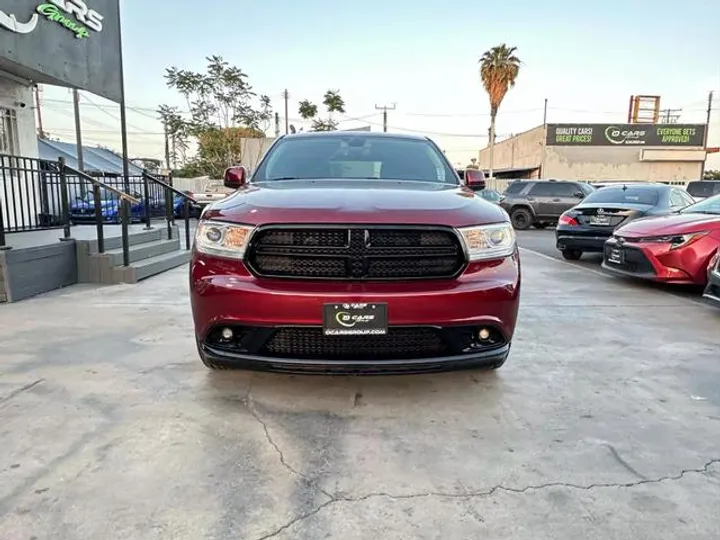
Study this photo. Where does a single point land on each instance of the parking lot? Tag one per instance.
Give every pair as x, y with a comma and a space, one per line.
604, 423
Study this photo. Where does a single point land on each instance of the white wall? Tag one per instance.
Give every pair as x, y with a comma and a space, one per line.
22, 185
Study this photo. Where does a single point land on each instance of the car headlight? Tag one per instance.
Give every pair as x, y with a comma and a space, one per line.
488, 241
222, 239
675, 240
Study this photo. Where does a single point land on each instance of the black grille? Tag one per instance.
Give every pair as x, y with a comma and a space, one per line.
309, 342
356, 253
635, 261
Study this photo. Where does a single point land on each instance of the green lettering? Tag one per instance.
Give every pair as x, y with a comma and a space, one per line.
52, 13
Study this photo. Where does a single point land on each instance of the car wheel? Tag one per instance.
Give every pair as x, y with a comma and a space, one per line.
521, 219
540, 225
571, 254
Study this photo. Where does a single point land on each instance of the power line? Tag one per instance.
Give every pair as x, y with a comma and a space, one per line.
385, 109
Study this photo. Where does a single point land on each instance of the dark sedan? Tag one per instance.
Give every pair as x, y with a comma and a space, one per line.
585, 227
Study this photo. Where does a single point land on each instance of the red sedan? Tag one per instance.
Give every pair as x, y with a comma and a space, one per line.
676, 248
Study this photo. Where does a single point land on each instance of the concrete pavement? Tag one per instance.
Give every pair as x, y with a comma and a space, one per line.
604, 424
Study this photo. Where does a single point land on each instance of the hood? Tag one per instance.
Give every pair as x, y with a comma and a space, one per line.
356, 201
670, 224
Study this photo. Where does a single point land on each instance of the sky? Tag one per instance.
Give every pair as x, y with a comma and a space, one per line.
585, 58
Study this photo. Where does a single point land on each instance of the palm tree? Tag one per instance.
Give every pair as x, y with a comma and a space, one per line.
499, 68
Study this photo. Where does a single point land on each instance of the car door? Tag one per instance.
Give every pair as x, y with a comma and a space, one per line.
541, 197
565, 197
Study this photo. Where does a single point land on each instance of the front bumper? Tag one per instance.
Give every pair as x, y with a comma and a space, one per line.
225, 294
581, 239
657, 262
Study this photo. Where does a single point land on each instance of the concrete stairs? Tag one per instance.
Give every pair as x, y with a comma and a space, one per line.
151, 253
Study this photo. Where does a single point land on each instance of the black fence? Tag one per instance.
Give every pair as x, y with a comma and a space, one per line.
37, 194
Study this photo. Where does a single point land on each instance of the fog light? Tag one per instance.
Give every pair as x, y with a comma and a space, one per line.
484, 334
227, 333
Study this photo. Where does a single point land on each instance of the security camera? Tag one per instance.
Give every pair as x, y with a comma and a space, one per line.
21, 104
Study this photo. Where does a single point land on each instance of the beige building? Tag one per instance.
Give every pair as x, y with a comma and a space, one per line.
602, 152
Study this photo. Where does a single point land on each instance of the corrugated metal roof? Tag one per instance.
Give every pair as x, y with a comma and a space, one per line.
97, 160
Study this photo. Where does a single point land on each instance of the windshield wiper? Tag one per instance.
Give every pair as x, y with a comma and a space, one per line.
283, 178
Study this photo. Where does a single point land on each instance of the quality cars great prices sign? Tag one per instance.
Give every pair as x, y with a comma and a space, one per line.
73, 43
625, 135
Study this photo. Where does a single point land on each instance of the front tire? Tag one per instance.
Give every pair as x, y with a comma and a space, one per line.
572, 254
521, 219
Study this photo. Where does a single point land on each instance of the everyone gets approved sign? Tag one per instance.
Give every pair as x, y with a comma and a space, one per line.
626, 135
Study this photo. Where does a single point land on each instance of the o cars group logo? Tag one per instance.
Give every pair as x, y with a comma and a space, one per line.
617, 135
73, 15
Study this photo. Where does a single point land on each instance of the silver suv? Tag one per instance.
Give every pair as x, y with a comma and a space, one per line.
541, 202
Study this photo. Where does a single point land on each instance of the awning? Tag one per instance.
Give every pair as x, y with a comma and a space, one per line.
97, 161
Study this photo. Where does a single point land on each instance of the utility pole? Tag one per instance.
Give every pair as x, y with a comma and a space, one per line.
277, 125
167, 147
670, 116
545, 112
286, 96
41, 131
385, 109
707, 129
78, 130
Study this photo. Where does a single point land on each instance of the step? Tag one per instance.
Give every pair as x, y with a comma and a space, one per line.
134, 238
146, 250
156, 265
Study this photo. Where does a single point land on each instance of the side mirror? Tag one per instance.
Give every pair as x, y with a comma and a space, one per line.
579, 194
235, 177
474, 179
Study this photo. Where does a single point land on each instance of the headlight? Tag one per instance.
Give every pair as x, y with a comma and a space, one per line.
223, 239
488, 241
675, 240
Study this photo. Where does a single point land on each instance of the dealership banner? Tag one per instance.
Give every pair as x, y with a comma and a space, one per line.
74, 43
625, 134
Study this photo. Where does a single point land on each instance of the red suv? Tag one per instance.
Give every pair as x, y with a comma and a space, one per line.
354, 252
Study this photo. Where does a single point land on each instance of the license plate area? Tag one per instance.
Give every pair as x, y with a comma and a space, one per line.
616, 256
355, 319
600, 220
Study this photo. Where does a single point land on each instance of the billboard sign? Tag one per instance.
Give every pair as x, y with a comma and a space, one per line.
74, 43
625, 135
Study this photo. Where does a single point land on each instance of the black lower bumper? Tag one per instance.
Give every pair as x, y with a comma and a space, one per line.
587, 243
488, 359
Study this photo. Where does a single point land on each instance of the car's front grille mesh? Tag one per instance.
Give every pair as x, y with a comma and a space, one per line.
356, 253
398, 343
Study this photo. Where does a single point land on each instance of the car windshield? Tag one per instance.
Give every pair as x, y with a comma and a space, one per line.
703, 189
708, 206
353, 157
625, 194
490, 195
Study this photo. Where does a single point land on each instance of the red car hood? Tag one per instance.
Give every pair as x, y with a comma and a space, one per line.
670, 224
356, 201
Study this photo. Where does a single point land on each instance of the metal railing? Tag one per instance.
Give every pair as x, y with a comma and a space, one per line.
171, 207
37, 194
101, 191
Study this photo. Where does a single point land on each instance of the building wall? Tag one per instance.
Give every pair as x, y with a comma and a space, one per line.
626, 163
20, 187
11, 95
523, 151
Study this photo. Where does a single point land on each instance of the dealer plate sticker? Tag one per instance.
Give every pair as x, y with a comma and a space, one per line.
351, 319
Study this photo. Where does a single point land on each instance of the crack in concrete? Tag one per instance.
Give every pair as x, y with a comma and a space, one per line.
21, 390
250, 404
488, 493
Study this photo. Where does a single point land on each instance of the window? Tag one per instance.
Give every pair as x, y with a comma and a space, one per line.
566, 190
355, 157
625, 194
677, 199
515, 188
704, 189
8, 132
543, 189
708, 206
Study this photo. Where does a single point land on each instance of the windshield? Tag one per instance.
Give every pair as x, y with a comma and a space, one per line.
353, 157
627, 195
703, 189
490, 195
708, 206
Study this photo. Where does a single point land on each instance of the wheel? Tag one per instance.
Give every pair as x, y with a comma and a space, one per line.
571, 254
540, 225
521, 219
